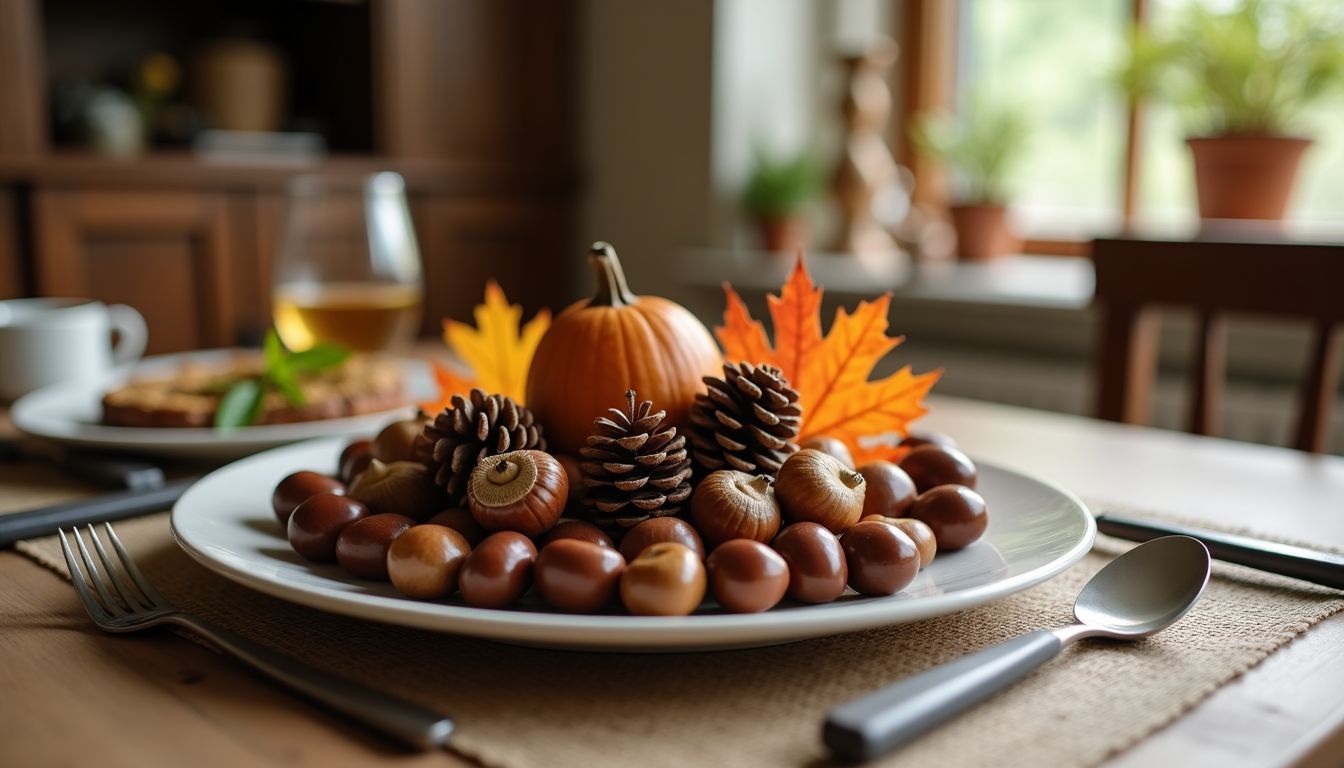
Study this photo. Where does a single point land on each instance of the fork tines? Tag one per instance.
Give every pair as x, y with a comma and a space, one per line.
108, 595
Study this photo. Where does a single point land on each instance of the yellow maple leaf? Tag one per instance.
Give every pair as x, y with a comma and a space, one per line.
830, 372
497, 351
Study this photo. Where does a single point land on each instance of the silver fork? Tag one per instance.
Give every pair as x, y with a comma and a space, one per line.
116, 606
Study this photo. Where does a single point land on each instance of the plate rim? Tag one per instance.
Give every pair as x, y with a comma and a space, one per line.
638, 633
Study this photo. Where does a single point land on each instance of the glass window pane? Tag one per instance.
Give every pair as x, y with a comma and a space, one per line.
1052, 59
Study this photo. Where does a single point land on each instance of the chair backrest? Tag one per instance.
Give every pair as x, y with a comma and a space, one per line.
1135, 277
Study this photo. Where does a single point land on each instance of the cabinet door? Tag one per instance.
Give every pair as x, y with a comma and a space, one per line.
169, 254
525, 246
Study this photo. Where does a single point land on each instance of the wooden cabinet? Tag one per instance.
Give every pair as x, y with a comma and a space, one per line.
11, 271
169, 254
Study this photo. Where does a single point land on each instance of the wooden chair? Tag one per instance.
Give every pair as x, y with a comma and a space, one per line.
1294, 280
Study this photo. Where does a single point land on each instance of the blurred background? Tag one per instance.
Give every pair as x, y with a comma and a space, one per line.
963, 154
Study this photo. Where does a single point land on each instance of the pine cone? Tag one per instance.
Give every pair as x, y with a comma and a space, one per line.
635, 467
748, 421
471, 429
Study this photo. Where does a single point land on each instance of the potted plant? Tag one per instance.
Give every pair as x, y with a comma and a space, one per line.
978, 151
1240, 77
776, 197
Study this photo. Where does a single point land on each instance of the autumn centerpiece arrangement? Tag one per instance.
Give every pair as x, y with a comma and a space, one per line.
615, 455
1241, 76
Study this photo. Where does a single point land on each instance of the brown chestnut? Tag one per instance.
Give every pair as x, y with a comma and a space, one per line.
917, 530
424, 561
746, 576
401, 487
956, 514
354, 459
882, 560
934, 465
815, 487
832, 446
317, 523
578, 529
666, 579
397, 441
498, 571
728, 504
917, 439
523, 491
362, 546
574, 472
657, 530
577, 576
460, 520
298, 488
890, 492
817, 569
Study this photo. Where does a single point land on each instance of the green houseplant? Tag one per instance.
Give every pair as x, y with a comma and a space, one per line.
1240, 78
978, 150
776, 197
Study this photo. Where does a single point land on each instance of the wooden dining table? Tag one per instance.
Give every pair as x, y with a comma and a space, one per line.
71, 695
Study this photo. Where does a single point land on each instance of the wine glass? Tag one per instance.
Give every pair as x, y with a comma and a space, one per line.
348, 267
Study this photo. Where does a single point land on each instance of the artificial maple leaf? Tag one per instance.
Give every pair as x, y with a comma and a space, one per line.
830, 372
497, 351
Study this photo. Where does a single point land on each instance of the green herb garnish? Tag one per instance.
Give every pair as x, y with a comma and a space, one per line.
241, 405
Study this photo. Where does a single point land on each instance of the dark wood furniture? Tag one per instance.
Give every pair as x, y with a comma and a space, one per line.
470, 100
1134, 278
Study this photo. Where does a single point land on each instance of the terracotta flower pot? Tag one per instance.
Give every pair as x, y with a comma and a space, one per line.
982, 231
784, 233
1245, 177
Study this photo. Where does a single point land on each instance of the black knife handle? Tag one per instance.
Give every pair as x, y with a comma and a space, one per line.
1311, 565
117, 505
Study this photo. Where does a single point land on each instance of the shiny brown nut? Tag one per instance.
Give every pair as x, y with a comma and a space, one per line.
916, 439
657, 530
890, 492
575, 474
498, 571
362, 546
397, 441
666, 579
828, 444
882, 560
728, 504
460, 520
317, 523
354, 459
817, 569
815, 487
425, 561
577, 576
298, 488
933, 465
523, 491
956, 514
746, 576
917, 530
578, 529
402, 487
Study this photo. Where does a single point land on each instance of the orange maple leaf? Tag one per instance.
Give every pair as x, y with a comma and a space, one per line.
830, 372
450, 383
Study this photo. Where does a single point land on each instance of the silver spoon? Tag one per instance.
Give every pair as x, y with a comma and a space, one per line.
1138, 594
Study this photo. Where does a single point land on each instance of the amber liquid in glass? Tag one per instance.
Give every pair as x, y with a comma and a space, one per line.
365, 316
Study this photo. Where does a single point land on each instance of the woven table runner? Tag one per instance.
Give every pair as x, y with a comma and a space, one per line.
525, 707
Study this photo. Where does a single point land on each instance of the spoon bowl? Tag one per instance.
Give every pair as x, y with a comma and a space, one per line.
1145, 590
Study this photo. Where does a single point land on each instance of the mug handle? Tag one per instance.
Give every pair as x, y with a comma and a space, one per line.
132, 334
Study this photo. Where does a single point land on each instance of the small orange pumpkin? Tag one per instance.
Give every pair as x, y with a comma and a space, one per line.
600, 347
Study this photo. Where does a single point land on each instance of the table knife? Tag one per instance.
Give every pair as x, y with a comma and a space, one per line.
43, 521
1312, 565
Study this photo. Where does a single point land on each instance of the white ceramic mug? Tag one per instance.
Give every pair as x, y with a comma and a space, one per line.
45, 341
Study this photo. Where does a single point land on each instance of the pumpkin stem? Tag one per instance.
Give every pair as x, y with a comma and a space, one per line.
611, 288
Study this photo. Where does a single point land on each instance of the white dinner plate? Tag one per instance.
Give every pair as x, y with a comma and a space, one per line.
1036, 531
71, 414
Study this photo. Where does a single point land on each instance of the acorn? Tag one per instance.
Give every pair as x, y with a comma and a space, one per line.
398, 487
523, 491
397, 441
813, 486
729, 504
831, 445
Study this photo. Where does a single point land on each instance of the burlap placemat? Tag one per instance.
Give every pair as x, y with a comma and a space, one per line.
526, 707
